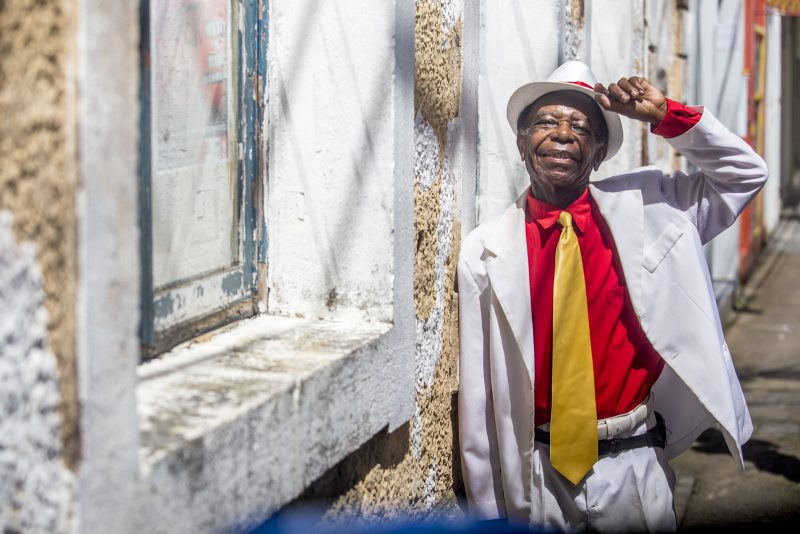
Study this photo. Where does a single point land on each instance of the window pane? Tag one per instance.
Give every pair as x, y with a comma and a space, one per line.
194, 185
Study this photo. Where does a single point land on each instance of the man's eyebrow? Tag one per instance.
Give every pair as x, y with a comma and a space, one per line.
549, 114
545, 114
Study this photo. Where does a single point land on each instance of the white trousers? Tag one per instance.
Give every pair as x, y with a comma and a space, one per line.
624, 492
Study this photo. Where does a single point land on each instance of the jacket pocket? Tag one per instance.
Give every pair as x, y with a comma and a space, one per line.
658, 249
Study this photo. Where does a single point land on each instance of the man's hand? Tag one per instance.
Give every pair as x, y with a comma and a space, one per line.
634, 97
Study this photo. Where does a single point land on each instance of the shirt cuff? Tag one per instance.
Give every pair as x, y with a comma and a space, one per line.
678, 120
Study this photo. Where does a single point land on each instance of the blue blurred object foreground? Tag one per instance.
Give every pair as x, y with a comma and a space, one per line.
309, 519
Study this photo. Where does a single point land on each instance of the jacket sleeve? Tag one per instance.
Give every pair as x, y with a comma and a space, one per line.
730, 176
480, 460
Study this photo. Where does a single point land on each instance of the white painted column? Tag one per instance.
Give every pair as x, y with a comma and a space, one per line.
772, 122
730, 86
108, 291
470, 74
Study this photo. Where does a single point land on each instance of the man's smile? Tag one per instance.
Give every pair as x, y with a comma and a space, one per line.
559, 156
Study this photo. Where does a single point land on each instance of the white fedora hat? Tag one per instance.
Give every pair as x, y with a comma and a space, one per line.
571, 76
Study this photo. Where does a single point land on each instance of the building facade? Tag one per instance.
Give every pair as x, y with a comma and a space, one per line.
229, 231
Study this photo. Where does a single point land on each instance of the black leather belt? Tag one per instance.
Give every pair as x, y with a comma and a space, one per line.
655, 437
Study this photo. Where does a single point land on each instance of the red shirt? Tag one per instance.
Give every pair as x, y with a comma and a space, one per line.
625, 363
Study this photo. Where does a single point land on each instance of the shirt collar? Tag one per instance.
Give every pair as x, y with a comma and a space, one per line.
546, 215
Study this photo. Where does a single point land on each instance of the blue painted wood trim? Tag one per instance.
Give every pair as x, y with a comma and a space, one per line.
248, 47
146, 333
263, 42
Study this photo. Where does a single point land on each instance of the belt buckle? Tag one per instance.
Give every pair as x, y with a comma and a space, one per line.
614, 445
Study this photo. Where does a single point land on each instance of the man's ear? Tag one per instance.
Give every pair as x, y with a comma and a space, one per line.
599, 156
521, 146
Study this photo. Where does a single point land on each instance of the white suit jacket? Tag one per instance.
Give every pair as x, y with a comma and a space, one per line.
659, 224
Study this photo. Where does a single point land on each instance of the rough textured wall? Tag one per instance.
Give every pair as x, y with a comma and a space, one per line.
36, 487
666, 67
573, 38
415, 470
617, 39
39, 441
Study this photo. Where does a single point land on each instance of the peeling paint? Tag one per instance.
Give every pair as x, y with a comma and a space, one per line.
429, 488
426, 163
164, 306
37, 490
232, 284
416, 432
451, 14
573, 38
430, 328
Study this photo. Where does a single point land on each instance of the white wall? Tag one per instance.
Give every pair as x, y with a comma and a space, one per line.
772, 123
662, 64
617, 42
729, 92
331, 147
519, 43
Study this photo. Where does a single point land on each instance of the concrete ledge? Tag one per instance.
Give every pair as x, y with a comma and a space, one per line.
234, 426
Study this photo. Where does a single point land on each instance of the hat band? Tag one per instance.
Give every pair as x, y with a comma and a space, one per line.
582, 84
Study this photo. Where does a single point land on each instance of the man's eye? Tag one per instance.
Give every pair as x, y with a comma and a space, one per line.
580, 128
545, 123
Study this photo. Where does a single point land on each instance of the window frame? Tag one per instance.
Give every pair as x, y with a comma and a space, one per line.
188, 308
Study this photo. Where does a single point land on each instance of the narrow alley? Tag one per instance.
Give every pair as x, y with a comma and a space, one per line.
764, 339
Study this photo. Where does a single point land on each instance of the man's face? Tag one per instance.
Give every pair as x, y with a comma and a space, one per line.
559, 139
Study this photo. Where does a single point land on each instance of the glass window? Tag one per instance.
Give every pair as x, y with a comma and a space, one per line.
193, 140
196, 202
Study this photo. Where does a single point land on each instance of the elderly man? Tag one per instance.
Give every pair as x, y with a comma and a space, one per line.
591, 345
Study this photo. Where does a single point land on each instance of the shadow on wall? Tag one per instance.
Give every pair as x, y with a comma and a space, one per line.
364, 162
385, 450
458, 480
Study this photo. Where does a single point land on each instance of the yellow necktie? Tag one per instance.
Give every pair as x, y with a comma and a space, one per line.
573, 418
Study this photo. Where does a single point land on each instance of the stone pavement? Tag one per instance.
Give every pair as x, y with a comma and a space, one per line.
764, 338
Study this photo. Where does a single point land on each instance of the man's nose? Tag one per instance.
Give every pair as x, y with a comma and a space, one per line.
563, 131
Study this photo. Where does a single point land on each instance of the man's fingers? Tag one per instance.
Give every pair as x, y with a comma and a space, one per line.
638, 83
601, 96
634, 97
618, 94
645, 83
627, 86
603, 100
600, 88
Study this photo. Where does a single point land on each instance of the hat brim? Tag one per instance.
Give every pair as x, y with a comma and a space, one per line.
530, 92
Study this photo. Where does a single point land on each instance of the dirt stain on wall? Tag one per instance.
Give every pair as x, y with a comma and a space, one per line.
38, 175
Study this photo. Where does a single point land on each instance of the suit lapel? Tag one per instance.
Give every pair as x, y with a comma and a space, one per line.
508, 272
623, 211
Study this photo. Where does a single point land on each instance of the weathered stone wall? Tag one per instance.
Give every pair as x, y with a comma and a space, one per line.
416, 469
617, 40
666, 67
39, 440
